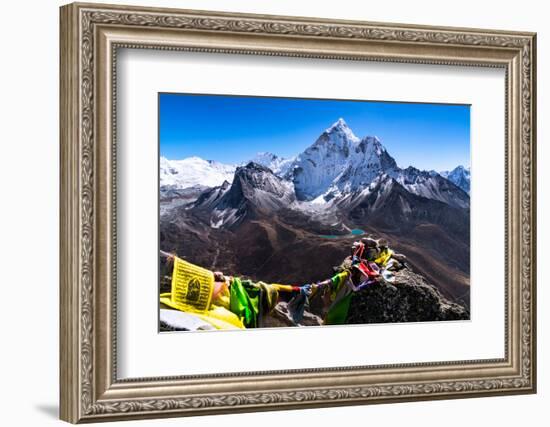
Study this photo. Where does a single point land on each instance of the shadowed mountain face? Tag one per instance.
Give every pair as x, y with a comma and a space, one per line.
292, 227
460, 176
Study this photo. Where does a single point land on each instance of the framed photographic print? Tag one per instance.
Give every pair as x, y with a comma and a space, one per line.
265, 212
272, 226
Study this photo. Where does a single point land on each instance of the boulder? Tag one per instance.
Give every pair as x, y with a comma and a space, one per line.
409, 298
280, 317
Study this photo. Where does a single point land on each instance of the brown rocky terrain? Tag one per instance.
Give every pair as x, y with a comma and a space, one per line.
287, 246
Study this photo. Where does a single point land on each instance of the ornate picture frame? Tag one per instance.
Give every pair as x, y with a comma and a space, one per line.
90, 37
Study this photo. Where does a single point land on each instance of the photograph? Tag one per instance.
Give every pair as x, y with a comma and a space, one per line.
288, 212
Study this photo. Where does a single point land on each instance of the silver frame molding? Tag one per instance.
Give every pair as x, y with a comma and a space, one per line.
90, 37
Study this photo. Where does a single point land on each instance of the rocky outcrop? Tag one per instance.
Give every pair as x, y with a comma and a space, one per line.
280, 317
408, 299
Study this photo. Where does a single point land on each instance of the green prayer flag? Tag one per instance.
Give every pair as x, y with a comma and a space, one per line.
338, 314
244, 301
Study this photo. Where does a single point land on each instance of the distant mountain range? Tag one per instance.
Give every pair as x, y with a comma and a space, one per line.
337, 163
181, 174
269, 218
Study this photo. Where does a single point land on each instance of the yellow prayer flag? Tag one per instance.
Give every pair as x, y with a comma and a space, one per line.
384, 257
192, 286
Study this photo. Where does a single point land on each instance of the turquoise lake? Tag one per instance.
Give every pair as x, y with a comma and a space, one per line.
352, 233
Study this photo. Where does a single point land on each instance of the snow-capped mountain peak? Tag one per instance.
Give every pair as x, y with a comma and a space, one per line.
338, 134
460, 176
254, 188
339, 162
340, 128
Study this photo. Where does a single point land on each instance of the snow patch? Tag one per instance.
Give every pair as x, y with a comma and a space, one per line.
278, 165
320, 200
194, 171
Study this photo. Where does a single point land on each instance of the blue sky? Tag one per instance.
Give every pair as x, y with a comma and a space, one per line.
232, 129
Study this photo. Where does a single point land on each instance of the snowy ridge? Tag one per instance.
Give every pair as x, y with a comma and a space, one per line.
338, 162
194, 171
279, 165
431, 186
